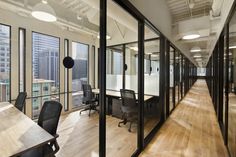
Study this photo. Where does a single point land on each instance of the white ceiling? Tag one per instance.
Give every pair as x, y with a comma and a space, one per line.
198, 19
180, 9
121, 26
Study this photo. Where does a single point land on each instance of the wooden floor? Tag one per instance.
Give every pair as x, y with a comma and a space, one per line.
79, 136
191, 130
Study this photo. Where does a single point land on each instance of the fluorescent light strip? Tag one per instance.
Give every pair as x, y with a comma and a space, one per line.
191, 36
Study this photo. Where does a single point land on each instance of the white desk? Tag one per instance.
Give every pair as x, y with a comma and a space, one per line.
117, 94
18, 133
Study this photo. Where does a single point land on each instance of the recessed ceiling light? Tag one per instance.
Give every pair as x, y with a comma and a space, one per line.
198, 59
44, 12
197, 56
195, 49
232, 47
191, 36
134, 48
107, 37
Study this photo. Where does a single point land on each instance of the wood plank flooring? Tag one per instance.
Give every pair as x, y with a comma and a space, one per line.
79, 135
191, 130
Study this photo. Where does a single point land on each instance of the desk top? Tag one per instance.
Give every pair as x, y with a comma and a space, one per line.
18, 133
117, 94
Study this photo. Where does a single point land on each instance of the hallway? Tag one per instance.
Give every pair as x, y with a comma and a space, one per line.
191, 130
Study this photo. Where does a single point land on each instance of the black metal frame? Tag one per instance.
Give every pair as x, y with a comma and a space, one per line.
102, 78
66, 53
24, 55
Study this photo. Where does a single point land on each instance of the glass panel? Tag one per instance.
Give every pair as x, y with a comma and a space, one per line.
152, 107
114, 68
120, 140
79, 71
45, 57
4, 63
172, 87
177, 77
131, 61
232, 90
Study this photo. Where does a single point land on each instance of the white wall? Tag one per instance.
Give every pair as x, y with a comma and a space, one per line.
31, 24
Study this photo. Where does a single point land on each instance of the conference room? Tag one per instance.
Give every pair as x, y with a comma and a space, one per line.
53, 79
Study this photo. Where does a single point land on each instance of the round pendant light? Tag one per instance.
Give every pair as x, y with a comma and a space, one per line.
44, 12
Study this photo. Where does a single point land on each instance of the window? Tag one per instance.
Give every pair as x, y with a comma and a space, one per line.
114, 62
5, 70
45, 62
79, 71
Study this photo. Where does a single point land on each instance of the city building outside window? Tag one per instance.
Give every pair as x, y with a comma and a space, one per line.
45, 63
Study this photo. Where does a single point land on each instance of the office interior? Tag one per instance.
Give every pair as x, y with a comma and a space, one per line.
114, 48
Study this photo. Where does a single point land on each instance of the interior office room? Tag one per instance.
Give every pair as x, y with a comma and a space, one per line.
117, 78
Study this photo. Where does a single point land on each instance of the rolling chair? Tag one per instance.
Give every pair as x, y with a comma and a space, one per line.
48, 120
20, 101
129, 107
89, 99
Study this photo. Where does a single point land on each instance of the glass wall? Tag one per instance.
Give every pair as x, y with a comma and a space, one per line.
79, 71
177, 77
172, 86
4, 63
114, 69
232, 89
121, 73
45, 70
152, 107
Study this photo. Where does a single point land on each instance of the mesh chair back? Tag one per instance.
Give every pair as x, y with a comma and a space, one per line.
49, 116
87, 92
128, 98
20, 101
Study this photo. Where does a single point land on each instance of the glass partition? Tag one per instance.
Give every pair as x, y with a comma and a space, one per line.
232, 89
114, 67
152, 108
121, 74
172, 86
177, 76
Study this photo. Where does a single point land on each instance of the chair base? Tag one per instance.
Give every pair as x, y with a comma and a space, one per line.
125, 120
90, 108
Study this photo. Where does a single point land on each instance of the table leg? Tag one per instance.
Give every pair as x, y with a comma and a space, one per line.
109, 109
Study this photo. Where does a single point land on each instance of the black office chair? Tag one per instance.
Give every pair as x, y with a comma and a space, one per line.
129, 107
20, 101
48, 120
89, 99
